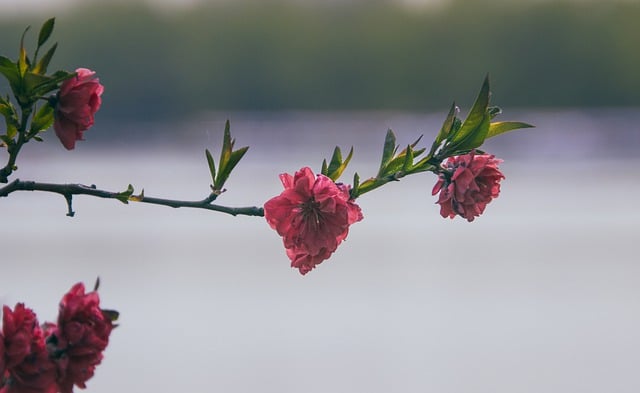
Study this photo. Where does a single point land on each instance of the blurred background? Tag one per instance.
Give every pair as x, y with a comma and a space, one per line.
539, 294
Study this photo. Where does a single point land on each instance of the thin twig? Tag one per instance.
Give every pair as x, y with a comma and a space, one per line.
68, 190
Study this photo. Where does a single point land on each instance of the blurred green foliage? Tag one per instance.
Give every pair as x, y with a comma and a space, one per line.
274, 56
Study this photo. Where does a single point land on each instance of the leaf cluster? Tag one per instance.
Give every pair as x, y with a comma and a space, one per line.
460, 137
29, 83
229, 158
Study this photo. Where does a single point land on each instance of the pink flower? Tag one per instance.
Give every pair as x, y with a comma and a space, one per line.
313, 215
469, 182
78, 100
29, 368
80, 338
2, 355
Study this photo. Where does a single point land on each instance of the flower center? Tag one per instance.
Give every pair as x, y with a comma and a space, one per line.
311, 212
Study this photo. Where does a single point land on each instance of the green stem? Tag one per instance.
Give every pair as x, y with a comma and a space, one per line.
377, 182
14, 148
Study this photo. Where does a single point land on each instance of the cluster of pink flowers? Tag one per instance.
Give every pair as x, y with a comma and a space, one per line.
313, 215
77, 102
52, 358
469, 182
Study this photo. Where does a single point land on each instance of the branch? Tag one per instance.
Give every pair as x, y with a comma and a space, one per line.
68, 190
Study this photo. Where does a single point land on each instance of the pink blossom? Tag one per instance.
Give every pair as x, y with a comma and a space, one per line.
313, 215
82, 334
77, 102
469, 182
29, 369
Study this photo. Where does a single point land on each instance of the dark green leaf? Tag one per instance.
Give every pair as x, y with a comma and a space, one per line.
476, 118
336, 160
10, 71
45, 31
336, 171
212, 165
505, 126
447, 126
325, 169
40, 85
23, 59
408, 160
42, 65
356, 183
43, 119
388, 151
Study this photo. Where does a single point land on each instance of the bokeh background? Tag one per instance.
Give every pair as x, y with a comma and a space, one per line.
539, 294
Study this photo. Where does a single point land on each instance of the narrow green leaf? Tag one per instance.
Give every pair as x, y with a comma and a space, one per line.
476, 116
41, 85
212, 165
408, 159
43, 119
447, 125
235, 158
42, 65
325, 169
23, 60
336, 161
10, 71
388, 151
353, 193
45, 31
337, 172
498, 128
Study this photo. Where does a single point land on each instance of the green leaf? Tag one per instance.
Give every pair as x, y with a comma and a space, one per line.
228, 157
43, 119
324, 170
408, 160
498, 128
10, 71
356, 184
124, 195
447, 126
45, 31
40, 85
475, 127
23, 59
10, 116
111, 315
388, 151
337, 165
336, 160
212, 165
42, 65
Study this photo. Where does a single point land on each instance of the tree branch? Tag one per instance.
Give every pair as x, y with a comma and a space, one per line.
68, 190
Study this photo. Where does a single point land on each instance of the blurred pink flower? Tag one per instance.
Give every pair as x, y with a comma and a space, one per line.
313, 215
29, 369
78, 101
468, 184
82, 334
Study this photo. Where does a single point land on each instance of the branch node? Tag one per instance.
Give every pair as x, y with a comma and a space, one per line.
69, 199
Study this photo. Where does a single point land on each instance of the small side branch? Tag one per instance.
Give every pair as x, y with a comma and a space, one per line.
69, 190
